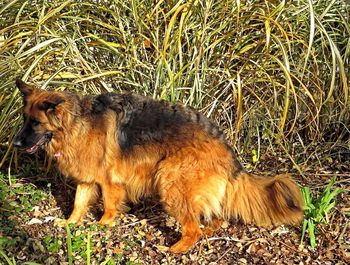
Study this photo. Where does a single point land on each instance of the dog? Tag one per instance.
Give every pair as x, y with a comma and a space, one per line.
128, 146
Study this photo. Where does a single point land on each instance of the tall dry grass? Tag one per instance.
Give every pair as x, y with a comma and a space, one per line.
274, 74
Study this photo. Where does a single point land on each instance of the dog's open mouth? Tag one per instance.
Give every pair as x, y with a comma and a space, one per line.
42, 141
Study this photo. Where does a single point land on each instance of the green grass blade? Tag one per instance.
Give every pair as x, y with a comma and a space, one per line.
303, 231
2, 10
38, 47
88, 249
9, 262
69, 245
312, 236
311, 37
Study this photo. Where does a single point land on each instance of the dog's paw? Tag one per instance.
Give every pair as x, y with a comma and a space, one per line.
63, 222
178, 249
110, 223
60, 222
183, 245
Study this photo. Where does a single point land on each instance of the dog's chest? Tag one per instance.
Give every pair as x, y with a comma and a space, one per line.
81, 167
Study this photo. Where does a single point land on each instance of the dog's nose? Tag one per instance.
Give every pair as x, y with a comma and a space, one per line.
17, 142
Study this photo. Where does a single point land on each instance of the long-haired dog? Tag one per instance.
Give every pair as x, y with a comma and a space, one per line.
130, 146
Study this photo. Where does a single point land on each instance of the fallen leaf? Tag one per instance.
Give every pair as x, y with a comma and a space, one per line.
243, 261
280, 230
49, 219
162, 248
34, 221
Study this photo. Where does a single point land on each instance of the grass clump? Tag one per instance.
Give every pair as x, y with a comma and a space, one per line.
317, 210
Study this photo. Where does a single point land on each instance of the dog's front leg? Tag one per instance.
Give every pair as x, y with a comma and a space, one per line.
85, 194
114, 196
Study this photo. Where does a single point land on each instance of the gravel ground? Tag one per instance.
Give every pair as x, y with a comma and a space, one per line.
142, 234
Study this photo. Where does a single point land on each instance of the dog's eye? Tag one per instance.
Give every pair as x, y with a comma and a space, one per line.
34, 122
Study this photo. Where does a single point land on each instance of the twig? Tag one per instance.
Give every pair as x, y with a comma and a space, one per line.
292, 248
140, 221
314, 174
223, 255
340, 238
225, 239
230, 239
333, 174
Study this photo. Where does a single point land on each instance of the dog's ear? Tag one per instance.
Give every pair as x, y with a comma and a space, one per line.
52, 103
26, 89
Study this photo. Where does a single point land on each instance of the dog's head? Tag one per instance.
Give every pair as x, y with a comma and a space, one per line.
42, 116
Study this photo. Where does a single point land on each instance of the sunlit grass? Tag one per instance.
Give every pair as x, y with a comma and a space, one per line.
271, 73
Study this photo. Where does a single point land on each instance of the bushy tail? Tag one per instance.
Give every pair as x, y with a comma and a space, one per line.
264, 200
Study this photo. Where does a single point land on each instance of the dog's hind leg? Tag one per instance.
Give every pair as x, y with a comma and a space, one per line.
113, 197
85, 194
212, 227
190, 235
185, 212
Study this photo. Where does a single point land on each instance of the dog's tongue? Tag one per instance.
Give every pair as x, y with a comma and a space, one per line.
35, 147
32, 149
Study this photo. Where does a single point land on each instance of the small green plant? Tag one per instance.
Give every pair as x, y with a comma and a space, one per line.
255, 157
19, 196
53, 244
317, 209
78, 243
7, 242
13, 261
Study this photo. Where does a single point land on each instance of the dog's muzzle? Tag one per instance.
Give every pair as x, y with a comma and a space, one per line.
19, 142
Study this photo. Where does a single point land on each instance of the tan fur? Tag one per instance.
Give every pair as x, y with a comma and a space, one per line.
191, 174
260, 200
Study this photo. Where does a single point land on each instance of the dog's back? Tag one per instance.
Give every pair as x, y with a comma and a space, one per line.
143, 119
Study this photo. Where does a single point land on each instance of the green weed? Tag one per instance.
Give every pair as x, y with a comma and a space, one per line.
79, 243
13, 261
317, 210
52, 244
19, 196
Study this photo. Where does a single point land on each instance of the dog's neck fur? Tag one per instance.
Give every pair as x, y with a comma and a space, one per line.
61, 144
67, 150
